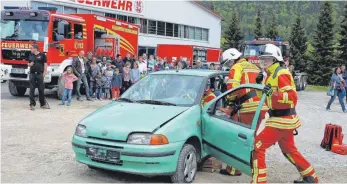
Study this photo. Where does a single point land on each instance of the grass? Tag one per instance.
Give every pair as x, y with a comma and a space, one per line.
317, 88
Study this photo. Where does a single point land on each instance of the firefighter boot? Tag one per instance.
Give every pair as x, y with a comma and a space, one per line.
305, 179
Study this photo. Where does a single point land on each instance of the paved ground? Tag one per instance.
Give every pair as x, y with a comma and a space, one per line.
36, 146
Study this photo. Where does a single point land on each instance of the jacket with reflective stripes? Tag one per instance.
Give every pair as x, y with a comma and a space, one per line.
244, 72
284, 96
208, 96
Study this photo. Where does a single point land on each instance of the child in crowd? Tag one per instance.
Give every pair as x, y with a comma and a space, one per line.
99, 86
126, 76
135, 73
68, 78
108, 75
93, 73
116, 84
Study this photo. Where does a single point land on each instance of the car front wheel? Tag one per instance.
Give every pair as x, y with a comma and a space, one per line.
186, 166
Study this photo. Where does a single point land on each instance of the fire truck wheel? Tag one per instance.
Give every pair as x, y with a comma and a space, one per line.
16, 90
60, 90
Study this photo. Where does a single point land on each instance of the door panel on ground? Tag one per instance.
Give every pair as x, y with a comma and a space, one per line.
227, 135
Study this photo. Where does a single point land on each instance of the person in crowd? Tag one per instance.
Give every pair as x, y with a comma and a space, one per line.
118, 63
212, 66
165, 60
151, 62
344, 76
338, 86
116, 84
166, 66
78, 36
108, 75
103, 63
68, 78
126, 76
89, 61
129, 59
144, 56
199, 65
160, 66
172, 65
99, 86
94, 71
38, 69
79, 69
135, 74
208, 95
142, 66
184, 63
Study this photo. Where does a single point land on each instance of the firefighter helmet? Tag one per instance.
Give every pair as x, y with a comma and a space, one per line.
271, 50
231, 54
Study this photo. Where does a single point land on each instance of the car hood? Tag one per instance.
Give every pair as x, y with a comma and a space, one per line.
116, 120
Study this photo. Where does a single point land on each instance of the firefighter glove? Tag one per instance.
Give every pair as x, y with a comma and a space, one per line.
267, 90
259, 78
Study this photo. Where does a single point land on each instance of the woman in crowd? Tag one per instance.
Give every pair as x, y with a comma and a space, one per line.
337, 84
135, 74
126, 75
93, 73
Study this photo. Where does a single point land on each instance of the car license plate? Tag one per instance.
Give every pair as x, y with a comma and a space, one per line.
18, 70
103, 155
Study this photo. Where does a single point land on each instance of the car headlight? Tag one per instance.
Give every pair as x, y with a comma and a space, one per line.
147, 139
81, 131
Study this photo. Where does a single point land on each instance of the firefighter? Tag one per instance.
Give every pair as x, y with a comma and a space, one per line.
283, 121
246, 101
208, 95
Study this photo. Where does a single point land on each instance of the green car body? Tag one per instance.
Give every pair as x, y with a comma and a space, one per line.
110, 128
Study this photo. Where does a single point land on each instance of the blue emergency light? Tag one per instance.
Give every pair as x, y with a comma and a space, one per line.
48, 8
11, 7
278, 38
250, 37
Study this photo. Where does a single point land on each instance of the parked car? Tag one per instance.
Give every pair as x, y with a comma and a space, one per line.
158, 127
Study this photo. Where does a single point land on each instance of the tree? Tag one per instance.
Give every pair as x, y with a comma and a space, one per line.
271, 31
323, 61
298, 46
343, 40
233, 36
258, 31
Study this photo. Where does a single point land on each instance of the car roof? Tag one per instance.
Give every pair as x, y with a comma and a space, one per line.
191, 72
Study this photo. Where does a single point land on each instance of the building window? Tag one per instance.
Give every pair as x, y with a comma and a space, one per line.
205, 34
59, 8
176, 30
152, 27
35, 5
114, 16
98, 13
169, 29
122, 18
198, 32
132, 20
161, 28
144, 26
83, 11
191, 32
70, 10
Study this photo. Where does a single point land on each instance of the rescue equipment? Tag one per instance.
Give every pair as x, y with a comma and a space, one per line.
332, 140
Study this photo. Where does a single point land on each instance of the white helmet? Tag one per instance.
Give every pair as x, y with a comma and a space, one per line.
271, 50
231, 54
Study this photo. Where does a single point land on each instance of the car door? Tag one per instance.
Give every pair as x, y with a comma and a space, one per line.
226, 139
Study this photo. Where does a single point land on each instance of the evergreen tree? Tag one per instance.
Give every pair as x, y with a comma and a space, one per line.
323, 61
233, 36
271, 31
258, 31
298, 46
343, 41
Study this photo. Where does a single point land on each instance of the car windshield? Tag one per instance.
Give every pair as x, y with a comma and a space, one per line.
180, 90
25, 30
253, 49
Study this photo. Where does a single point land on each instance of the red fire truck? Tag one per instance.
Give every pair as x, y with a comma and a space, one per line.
251, 50
191, 52
61, 37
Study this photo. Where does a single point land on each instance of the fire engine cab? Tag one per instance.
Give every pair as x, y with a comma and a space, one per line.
60, 37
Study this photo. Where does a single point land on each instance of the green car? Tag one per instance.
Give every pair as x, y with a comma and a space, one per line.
158, 127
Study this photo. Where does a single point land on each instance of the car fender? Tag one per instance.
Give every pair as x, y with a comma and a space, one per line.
188, 124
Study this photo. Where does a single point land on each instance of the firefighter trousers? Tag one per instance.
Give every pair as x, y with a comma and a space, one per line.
285, 139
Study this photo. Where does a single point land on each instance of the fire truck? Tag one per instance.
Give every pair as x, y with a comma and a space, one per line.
60, 37
191, 52
251, 50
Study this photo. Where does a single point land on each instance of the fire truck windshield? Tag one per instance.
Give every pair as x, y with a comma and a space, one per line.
24, 30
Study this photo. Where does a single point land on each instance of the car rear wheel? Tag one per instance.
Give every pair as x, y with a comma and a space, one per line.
186, 166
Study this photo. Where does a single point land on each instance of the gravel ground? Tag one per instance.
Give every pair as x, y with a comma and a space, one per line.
36, 146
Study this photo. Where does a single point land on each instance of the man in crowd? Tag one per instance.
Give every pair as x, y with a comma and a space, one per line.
38, 70
128, 59
118, 63
344, 76
212, 66
199, 65
281, 100
151, 62
160, 66
80, 71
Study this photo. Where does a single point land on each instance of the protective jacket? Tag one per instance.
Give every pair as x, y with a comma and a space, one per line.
208, 96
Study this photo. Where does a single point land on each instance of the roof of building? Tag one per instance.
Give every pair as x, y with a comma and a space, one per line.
192, 72
207, 9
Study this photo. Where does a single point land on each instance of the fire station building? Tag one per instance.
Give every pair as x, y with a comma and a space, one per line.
161, 22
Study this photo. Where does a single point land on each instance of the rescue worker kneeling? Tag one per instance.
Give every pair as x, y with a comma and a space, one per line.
243, 104
208, 95
281, 100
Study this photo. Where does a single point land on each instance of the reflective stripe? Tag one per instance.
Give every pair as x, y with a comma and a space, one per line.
262, 179
290, 158
233, 170
281, 126
305, 172
262, 171
259, 143
255, 170
286, 88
